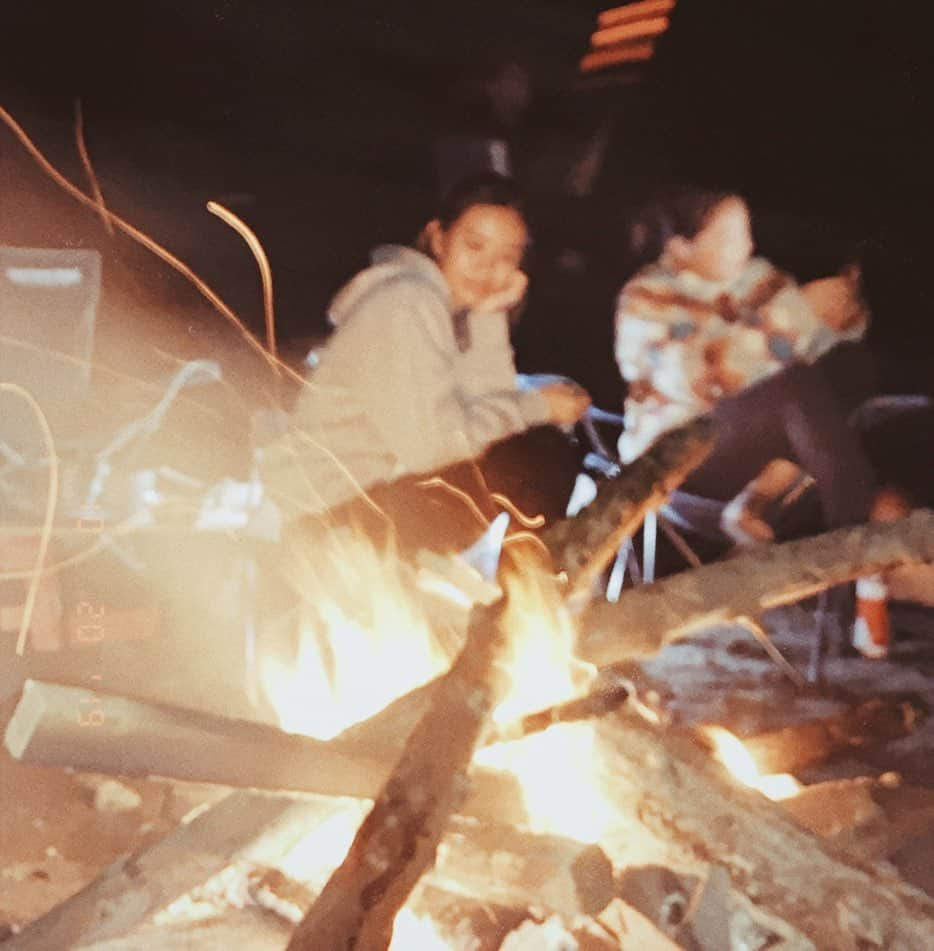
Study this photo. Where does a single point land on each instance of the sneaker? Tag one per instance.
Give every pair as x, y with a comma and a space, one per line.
743, 520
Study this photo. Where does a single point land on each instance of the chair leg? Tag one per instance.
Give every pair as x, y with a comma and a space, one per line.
649, 546
819, 645
614, 586
682, 547
762, 636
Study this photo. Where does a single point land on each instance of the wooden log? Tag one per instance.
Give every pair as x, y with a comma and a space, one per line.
580, 547
389, 729
682, 796
836, 807
497, 865
490, 864
463, 923
244, 825
399, 838
600, 702
793, 748
238, 928
510, 867
56, 725
649, 617
583, 546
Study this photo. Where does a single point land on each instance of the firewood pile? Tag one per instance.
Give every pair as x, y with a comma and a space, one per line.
407, 830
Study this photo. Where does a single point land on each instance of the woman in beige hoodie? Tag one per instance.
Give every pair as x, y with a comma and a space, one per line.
419, 374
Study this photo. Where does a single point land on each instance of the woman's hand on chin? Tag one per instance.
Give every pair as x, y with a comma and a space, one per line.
504, 300
567, 402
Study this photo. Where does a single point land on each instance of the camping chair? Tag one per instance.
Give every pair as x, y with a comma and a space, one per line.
690, 522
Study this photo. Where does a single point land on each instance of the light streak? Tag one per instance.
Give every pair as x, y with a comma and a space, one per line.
262, 262
163, 253
635, 11
640, 30
89, 169
51, 496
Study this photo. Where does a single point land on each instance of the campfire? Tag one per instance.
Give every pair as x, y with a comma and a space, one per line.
481, 783
740, 762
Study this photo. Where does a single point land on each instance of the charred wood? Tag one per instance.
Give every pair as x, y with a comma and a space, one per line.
398, 840
793, 748
684, 798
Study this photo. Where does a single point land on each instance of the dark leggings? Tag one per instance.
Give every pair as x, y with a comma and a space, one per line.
793, 415
449, 509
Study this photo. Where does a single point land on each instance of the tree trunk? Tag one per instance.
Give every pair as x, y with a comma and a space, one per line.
646, 619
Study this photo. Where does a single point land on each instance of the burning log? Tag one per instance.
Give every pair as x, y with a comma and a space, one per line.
598, 703
796, 747
836, 807
491, 864
583, 546
56, 725
650, 617
389, 729
685, 800
399, 838
512, 868
503, 866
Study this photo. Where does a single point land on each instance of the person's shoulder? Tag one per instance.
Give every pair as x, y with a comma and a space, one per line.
400, 281
653, 292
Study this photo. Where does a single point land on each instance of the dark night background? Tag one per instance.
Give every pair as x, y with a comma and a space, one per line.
315, 123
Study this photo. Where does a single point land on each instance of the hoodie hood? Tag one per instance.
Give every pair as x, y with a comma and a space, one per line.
389, 262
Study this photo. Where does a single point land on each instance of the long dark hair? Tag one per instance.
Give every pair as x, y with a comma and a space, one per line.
682, 210
484, 188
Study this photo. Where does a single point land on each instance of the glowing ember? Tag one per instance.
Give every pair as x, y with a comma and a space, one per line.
363, 641
325, 846
410, 932
737, 759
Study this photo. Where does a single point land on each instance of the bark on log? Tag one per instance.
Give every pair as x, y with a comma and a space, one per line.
584, 545
389, 729
502, 866
498, 864
244, 825
56, 725
646, 619
399, 838
509, 867
684, 798
247, 928
793, 748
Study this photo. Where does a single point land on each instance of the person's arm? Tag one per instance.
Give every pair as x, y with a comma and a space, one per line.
409, 391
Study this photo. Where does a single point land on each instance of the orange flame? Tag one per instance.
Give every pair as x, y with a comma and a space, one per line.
363, 640
555, 768
739, 761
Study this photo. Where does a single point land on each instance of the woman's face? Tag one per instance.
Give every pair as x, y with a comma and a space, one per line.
722, 248
480, 254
